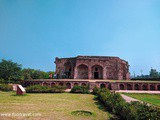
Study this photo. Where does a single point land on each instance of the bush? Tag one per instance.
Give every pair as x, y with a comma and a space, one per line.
2, 80
45, 89
126, 111
80, 89
95, 90
58, 89
6, 87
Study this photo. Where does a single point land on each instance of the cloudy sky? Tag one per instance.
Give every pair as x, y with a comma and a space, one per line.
34, 32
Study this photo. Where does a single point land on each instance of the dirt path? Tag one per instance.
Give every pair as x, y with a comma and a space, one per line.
128, 99
138, 91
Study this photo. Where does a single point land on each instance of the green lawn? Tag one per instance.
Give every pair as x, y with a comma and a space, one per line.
49, 106
150, 98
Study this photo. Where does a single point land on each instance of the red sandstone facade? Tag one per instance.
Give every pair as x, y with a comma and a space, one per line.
92, 67
112, 85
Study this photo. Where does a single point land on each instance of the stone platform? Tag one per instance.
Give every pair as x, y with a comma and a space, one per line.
110, 84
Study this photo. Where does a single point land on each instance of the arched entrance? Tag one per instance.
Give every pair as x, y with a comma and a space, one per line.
45, 84
129, 87
152, 87
158, 87
109, 86
75, 84
121, 87
82, 71
53, 84
60, 84
68, 85
83, 84
68, 70
144, 87
97, 72
102, 86
136, 87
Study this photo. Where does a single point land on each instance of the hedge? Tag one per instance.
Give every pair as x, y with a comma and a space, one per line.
80, 89
6, 87
45, 89
115, 104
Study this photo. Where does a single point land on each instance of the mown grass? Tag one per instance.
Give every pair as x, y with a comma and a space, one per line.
149, 98
50, 106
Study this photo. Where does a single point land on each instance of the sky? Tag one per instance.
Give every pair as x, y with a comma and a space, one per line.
34, 32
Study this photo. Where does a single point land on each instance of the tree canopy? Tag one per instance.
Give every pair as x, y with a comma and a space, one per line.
10, 71
13, 72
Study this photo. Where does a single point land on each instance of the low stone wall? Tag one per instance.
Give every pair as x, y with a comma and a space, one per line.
112, 85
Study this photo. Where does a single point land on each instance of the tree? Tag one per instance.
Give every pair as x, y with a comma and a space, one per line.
10, 71
35, 74
153, 73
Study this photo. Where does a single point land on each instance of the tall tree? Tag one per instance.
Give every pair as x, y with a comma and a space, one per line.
10, 71
153, 73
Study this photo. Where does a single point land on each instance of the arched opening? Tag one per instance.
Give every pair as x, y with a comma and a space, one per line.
158, 87
68, 70
83, 84
45, 84
152, 87
97, 72
75, 84
136, 87
53, 84
144, 87
129, 87
109, 86
68, 85
60, 84
82, 72
102, 86
121, 87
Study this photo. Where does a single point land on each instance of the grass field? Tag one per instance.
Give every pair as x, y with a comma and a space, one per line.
49, 106
149, 98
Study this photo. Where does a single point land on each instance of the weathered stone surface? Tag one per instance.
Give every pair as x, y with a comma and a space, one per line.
112, 85
92, 67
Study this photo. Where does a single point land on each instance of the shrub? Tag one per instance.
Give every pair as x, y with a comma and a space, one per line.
45, 89
80, 89
58, 89
6, 87
2, 80
126, 111
95, 90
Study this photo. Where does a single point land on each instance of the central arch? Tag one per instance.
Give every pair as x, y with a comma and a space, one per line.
68, 70
82, 71
97, 72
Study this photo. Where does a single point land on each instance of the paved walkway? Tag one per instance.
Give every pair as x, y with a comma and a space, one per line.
138, 91
128, 99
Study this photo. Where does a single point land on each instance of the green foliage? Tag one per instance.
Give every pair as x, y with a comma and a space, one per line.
2, 80
126, 111
154, 73
35, 74
10, 71
45, 89
80, 89
95, 90
5, 87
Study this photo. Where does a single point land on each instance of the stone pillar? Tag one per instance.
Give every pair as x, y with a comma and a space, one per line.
89, 72
156, 87
104, 73
75, 73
